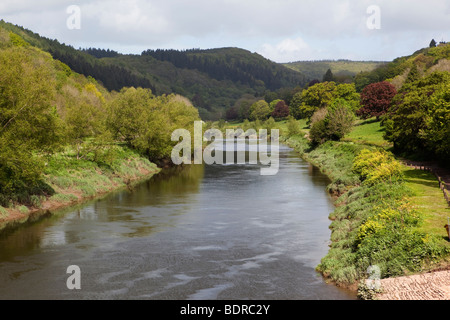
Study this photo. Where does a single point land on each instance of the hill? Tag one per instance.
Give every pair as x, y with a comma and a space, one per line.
344, 69
408, 68
213, 79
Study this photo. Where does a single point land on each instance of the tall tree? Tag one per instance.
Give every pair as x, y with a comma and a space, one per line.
328, 76
260, 110
433, 43
376, 99
281, 110
29, 123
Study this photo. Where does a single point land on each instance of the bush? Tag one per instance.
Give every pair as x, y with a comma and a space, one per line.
292, 126
377, 166
331, 123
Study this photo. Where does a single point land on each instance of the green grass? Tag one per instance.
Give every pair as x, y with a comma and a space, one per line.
63, 198
67, 179
89, 177
368, 132
429, 201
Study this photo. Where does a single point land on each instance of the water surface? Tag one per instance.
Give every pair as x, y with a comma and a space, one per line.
201, 232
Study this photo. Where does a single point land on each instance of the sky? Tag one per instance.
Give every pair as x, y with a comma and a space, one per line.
282, 30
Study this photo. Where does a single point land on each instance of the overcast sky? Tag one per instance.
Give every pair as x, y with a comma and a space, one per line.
281, 30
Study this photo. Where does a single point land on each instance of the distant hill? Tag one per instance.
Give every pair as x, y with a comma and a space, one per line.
111, 76
408, 68
344, 69
212, 79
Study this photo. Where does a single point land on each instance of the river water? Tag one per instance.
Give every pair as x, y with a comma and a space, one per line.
199, 232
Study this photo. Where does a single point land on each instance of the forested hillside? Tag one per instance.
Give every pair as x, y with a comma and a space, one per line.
112, 77
212, 79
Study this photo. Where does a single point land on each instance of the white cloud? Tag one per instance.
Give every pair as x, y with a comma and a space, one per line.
282, 30
287, 50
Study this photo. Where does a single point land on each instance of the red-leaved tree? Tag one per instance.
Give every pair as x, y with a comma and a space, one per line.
281, 110
376, 99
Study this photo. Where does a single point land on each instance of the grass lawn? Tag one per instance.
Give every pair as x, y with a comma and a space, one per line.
428, 200
368, 132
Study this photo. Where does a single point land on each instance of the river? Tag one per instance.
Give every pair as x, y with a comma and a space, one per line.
199, 232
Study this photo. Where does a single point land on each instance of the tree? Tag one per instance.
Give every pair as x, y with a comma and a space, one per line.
433, 43
438, 133
260, 110
294, 106
281, 110
332, 122
232, 113
347, 92
29, 123
85, 121
418, 121
328, 76
413, 74
128, 115
270, 96
316, 97
273, 103
376, 99
146, 122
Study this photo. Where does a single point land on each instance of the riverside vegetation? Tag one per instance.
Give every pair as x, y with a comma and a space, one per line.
65, 138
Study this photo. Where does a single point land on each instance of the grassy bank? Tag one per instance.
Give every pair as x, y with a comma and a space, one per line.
397, 226
68, 181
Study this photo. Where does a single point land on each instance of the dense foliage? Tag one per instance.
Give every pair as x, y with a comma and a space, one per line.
146, 122
376, 99
419, 120
231, 64
281, 110
332, 122
377, 166
320, 95
47, 109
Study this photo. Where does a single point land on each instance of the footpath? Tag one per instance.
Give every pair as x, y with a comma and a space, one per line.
426, 286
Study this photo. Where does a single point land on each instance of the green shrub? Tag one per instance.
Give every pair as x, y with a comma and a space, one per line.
331, 123
377, 166
3, 212
23, 209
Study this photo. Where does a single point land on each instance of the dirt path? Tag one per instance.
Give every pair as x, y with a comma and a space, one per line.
427, 286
